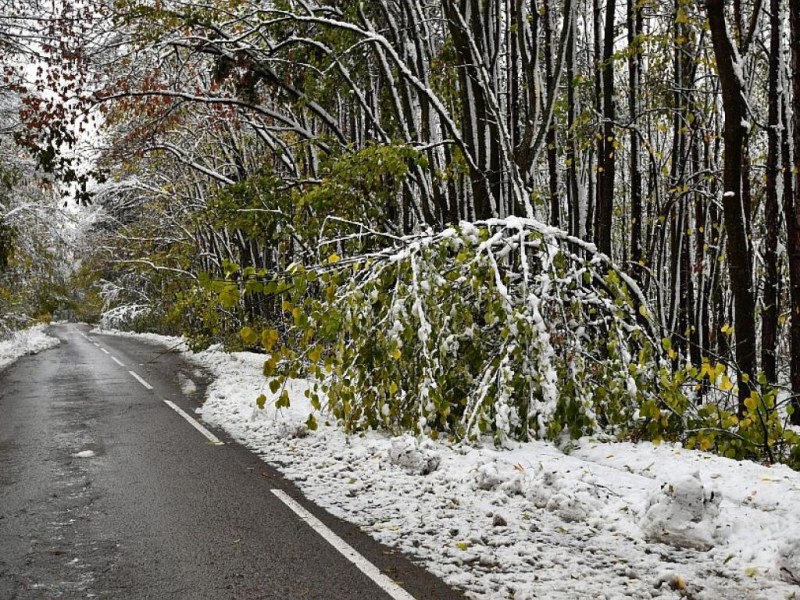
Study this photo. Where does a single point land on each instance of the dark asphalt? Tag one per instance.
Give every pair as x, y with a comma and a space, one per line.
158, 512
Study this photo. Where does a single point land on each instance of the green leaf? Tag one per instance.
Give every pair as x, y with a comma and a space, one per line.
311, 423
261, 401
229, 296
283, 401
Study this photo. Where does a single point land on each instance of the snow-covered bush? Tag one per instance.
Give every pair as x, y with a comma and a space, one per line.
505, 326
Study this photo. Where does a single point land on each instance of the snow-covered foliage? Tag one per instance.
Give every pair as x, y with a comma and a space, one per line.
504, 326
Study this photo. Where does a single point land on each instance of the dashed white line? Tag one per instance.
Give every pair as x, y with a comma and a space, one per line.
210, 436
140, 380
366, 567
96, 344
116, 360
104, 350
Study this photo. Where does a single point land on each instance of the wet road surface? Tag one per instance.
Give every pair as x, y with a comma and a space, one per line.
107, 492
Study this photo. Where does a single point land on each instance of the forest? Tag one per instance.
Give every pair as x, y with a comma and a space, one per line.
517, 218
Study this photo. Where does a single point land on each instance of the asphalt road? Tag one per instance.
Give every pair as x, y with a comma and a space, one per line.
106, 492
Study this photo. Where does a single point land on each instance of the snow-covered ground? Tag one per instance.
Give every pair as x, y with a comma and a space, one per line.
26, 341
601, 520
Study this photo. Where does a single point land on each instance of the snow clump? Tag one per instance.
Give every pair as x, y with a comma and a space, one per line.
503, 476
416, 458
572, 499
789, 561
683, 513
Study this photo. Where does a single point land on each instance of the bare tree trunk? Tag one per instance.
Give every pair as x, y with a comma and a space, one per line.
634, 73
769, 317
792, 204
551, 141
740, 263
573, 194
607, 145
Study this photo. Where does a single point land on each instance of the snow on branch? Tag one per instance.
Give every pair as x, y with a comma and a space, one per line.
504, 326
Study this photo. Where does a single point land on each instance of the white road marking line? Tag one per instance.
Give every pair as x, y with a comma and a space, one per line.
104, 350
366, 567
96, 344
140, 380
210, 436
114, 358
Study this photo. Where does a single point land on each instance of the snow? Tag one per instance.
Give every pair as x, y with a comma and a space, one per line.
24, 342
596, 519
84, 454
683, 513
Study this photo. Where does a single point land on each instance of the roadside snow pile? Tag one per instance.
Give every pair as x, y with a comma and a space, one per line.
603, 520
789, 561
683, 513
418, 458
24, 342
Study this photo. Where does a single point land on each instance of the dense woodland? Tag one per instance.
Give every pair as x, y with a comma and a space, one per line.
517, 217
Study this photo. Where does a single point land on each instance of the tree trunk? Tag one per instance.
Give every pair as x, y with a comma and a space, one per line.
740, 263
607, 145
769, 317
551, 141
571, 154
634, 74
792, 206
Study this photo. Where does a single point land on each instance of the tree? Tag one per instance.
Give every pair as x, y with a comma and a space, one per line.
769, 324
740, 260
607, 142
792, 210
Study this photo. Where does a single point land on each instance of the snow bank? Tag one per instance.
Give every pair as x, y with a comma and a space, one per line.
606, 520
24, 342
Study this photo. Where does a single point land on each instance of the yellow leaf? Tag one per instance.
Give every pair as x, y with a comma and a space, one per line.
269, 337
706, 369
726, 385
396, 354
333, 258
270, 366
393, 388
248, 336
